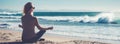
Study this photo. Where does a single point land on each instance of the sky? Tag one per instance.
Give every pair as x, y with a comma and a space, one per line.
63, 5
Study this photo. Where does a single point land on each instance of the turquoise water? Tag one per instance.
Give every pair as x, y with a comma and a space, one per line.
95, 25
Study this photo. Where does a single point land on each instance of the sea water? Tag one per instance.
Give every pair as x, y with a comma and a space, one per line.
93, 25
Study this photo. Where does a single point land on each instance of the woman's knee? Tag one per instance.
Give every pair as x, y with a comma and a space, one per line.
43, 30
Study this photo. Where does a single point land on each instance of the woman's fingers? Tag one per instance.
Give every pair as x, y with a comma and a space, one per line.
50, 28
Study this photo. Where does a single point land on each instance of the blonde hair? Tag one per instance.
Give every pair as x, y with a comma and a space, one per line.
27, 8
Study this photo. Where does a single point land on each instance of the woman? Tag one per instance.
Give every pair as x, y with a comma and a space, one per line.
28, 25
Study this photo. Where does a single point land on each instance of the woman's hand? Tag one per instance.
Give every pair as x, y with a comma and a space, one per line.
20, 26
50, 28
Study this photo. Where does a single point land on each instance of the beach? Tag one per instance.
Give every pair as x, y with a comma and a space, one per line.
81, 28
73, 21
8, 36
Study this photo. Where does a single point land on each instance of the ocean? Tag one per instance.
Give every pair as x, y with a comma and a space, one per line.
92, 25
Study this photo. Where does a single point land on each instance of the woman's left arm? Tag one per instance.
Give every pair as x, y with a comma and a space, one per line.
39, 27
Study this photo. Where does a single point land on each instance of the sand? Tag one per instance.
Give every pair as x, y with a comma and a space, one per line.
14, 37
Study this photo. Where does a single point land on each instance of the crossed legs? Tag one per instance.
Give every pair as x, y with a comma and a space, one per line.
37, 37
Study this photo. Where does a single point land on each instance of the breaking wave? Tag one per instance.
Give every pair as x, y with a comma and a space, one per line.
100, 18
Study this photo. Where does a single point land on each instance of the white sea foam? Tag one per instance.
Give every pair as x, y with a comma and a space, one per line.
89, 32
103, 17
107, 17
10, 17
7, 13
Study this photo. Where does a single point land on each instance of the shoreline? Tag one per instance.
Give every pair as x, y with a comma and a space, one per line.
14, 36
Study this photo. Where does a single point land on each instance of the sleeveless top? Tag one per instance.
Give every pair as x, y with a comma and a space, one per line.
28, 23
